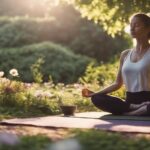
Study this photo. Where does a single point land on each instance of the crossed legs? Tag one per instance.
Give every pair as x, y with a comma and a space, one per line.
119, 106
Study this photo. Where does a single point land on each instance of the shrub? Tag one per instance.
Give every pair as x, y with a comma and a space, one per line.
64, 26
59, 63
38, 99
102, 75
92, 41
20, 31
16, 94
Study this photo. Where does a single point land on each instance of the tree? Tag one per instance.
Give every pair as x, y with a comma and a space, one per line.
112, 15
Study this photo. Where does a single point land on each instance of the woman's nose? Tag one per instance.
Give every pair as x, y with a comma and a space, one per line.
132, 28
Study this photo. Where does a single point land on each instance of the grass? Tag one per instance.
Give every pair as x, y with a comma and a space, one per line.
94, 140
8, 113
38, 142
87, 139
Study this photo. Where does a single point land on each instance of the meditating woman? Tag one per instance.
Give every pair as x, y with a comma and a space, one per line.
133, 72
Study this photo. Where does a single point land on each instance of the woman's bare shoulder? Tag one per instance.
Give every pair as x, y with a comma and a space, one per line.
124, 54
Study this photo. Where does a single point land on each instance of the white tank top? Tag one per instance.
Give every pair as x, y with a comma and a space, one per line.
136, 75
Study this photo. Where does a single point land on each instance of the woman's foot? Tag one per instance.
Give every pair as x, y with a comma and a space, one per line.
137, 106
140, 111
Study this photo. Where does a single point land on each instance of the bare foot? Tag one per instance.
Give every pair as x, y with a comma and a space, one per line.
140, 111
136, 106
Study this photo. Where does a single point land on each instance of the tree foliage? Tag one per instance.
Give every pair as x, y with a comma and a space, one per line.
112, 15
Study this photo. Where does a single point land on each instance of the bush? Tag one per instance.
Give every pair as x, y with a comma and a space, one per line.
38, 99
64, 26
94, 42
20, 31
102, 75
59, 63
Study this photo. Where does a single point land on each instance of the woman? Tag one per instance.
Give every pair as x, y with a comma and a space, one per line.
134, 73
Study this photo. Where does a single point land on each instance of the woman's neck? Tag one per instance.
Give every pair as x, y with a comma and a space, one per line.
142, 45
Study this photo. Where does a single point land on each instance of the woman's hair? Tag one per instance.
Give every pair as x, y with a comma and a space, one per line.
144, 18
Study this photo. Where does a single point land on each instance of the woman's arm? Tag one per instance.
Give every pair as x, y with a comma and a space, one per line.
118, 82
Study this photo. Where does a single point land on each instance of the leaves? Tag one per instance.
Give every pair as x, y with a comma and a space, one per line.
112, 15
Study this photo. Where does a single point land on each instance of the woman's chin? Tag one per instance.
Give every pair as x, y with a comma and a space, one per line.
133, 35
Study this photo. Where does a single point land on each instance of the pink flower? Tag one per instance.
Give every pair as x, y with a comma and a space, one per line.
9, 90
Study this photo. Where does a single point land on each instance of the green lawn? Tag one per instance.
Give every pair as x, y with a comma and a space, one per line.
87, 139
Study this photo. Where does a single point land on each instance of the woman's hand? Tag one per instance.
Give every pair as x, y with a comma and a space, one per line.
87, 93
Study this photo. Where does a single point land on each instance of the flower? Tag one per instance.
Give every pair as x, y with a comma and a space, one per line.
38, 93
9, 90
1, 74
14, 72
41, 93
47, 94
28, 85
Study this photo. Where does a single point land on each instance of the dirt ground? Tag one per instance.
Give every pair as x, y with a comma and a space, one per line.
53, 133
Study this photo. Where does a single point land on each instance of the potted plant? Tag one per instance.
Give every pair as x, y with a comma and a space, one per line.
66, 103
68, 110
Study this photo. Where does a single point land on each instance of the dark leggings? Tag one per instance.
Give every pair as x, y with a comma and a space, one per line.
119, 106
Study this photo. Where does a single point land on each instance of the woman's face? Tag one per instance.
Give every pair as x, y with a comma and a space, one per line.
138, 28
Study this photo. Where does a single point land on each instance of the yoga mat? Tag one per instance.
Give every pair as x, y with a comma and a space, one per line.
88, 120
108, 116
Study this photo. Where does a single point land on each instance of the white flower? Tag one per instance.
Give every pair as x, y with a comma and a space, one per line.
77, 86
1, 74
47, 94
4, 81
40, 93
14, 72
28, 85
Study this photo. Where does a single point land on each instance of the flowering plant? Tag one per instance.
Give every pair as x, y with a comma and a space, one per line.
14, 72
11, 90
68, 95
30, 97
9, 86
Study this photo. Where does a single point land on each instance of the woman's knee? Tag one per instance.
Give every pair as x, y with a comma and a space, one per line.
148, 109
97, 99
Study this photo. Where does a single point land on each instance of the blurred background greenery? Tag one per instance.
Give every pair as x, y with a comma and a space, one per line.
65, 41
56, 32
60, 47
